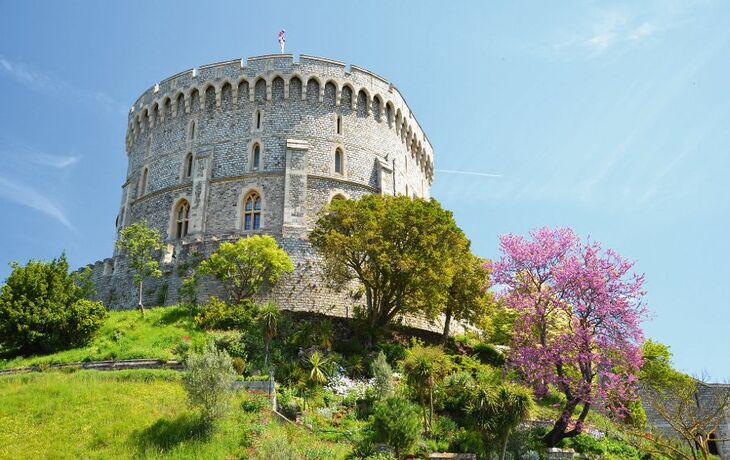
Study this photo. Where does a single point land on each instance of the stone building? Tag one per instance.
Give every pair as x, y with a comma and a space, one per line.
237, 148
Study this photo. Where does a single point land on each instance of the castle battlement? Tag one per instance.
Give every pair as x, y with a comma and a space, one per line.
177, 91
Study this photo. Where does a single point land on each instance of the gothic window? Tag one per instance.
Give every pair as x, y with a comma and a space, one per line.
339, 159
182, 219
252, 211
188, 166
256, 157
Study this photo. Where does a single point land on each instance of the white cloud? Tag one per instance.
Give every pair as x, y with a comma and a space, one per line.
32, 198
41, 82
54, 161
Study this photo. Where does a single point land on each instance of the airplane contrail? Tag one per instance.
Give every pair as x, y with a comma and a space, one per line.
470, 173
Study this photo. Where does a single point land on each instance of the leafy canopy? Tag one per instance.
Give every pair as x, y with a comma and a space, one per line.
247, 266
579, 309
401, 250
140, 242
42, 309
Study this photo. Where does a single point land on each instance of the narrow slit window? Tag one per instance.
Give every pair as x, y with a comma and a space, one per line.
188, 166
339, 124
256, 158
338, 161
258, 119
143, 182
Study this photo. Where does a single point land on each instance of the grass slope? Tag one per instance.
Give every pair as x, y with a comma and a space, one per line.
141, 414
125, 335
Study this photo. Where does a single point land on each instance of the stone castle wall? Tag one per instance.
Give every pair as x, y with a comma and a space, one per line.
217, 114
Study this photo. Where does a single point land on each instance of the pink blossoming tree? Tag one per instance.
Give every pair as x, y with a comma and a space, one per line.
578, 327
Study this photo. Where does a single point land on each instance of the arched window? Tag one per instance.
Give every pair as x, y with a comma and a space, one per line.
182, 219
256, 157
339, 159
252, 211
188, 166
339, 196
143, 182
339, 124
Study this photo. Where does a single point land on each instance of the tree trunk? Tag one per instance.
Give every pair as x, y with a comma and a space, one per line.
425, 417
266, 356
430, 408
504, 446
139, 305
558, 432
447, 326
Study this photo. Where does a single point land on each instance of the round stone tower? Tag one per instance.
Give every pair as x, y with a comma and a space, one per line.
238, 148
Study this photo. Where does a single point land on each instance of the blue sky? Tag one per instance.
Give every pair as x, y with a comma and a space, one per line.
611, 118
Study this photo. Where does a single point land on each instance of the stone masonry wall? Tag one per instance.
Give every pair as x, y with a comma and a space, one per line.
298, 114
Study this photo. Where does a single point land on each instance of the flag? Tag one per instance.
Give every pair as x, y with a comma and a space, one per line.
282, 40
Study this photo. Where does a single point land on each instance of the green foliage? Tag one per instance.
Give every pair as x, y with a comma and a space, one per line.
496, 411
423, 366
383, 377
396, 422
208, 380
247, 266
253, 402
133, 414
42, 309
239, 365
400, 249
606, 447
487, 354
501, 325
218, 314
140, 243
468, 299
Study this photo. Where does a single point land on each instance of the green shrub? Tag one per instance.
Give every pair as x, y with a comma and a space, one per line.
239, 365
255, 403
208, 382
42, 309
393, 351
585, 444
487, 354
396, 422
383, 377
217, 314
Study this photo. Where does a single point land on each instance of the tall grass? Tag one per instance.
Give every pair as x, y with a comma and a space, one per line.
140, 414
125, 335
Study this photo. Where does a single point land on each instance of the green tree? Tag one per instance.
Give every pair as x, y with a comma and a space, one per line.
424, 366
399, 249
140, 243
468, 298
383, 377
675, 398
43, 309
269, 317
247, 266
495, 412
208, 381
395, 421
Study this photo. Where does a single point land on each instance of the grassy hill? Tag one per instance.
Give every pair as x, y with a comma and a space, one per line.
142, 414
126, 335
